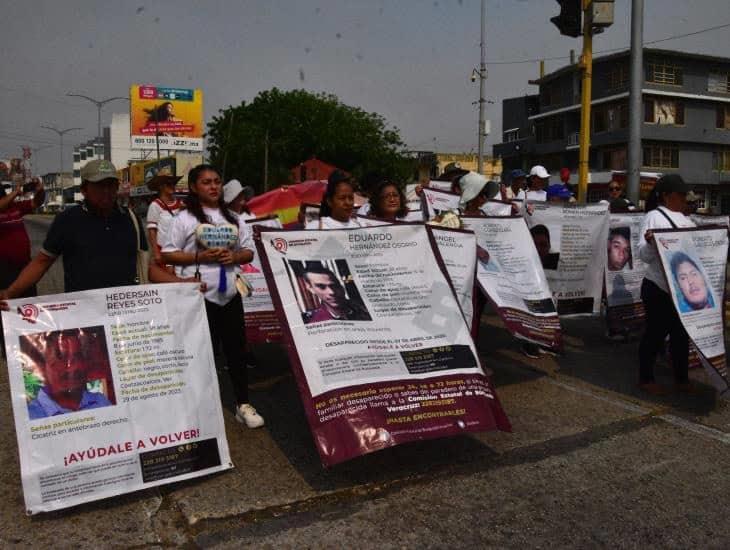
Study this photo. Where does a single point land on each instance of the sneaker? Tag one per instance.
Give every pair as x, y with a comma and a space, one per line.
531, 350
246, 414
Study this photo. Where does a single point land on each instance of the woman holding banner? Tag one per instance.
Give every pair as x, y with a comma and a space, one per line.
388, 202
665, 207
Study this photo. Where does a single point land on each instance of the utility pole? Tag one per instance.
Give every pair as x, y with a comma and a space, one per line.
586, 63
482, 79
99, 104
633, 172
60, 156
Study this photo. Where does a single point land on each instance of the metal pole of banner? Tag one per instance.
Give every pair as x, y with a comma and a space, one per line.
586, 63
482, 78
633, 172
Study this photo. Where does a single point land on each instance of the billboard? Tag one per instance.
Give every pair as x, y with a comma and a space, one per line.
172, 115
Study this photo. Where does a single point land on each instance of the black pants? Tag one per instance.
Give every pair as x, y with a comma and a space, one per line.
227, 326
662, 319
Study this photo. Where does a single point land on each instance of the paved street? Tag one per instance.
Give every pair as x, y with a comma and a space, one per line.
591, 462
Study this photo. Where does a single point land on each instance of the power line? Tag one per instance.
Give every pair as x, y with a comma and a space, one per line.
649, 43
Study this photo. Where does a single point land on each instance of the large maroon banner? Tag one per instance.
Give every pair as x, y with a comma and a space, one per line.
377, 341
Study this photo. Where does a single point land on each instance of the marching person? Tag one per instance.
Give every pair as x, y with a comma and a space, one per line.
539, 179
338, 201
161, 212
211, 242
388, 202
97, 239
236, 196
617, 198
664, 207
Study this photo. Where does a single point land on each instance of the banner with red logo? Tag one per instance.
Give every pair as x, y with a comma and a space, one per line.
377, 340
262, 324
694, 262
113, 390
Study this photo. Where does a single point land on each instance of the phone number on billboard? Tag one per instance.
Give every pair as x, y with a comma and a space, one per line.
167, 142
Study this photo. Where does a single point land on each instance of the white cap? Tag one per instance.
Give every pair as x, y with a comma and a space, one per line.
231, 190
539, 171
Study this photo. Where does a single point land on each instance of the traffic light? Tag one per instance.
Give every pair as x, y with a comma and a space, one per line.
569, 20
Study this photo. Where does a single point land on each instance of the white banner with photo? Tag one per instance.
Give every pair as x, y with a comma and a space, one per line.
113, 390
624, 274
694, 262
458, 251
436, 202
262, 325
571, 242
709, 219
376, 337
511, 276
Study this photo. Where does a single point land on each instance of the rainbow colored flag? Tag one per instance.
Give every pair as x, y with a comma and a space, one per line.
285, 200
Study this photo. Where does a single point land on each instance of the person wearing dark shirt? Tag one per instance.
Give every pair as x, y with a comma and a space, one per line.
97, 239
323, 284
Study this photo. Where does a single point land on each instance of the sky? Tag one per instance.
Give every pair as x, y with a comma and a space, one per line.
408, 60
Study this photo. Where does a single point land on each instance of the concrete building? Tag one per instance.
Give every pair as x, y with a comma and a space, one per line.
117, 142
686, 114
431, 164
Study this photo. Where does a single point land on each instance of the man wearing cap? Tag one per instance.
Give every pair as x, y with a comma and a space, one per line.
161, 211
537, 182
97, 239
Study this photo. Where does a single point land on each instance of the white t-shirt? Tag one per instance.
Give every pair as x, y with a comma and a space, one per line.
331, 223
181, 237
160, 216
647, 252
364, 210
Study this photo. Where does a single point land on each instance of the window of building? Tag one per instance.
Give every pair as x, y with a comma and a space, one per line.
714, 199
512, 135
723, 117
719, 82
721, 160
77, 157
618, 76
613, 159
661, 156
664, 111
662, 71
551, 129
77, 173
611, 117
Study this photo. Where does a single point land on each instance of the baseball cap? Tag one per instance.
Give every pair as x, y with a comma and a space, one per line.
539, 171
558, 190
517, 173
98, 170
231, 190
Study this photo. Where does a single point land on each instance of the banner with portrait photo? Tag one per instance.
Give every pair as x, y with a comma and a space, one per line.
694, 262
435, 202
624, 274
377, 340
168, 118
262, 323
510, 274
113, 390
571, 243
457, 248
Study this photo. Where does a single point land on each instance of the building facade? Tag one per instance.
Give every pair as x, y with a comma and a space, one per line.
431, 164
685, 110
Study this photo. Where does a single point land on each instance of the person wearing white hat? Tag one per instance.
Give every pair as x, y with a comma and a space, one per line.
475, 191
235, 196
536, 183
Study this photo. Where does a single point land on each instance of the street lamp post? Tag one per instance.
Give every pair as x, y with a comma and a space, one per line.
60, 156
99, 104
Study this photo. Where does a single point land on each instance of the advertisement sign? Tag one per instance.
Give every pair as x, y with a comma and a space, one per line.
171, 116
571, 243
510, 274
694, 262
262, 324
378, 344
184, 162
624, 274
113, 390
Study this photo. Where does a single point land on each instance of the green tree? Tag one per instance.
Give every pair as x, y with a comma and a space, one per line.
299, 125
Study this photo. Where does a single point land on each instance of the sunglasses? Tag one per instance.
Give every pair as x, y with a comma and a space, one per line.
614, 189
